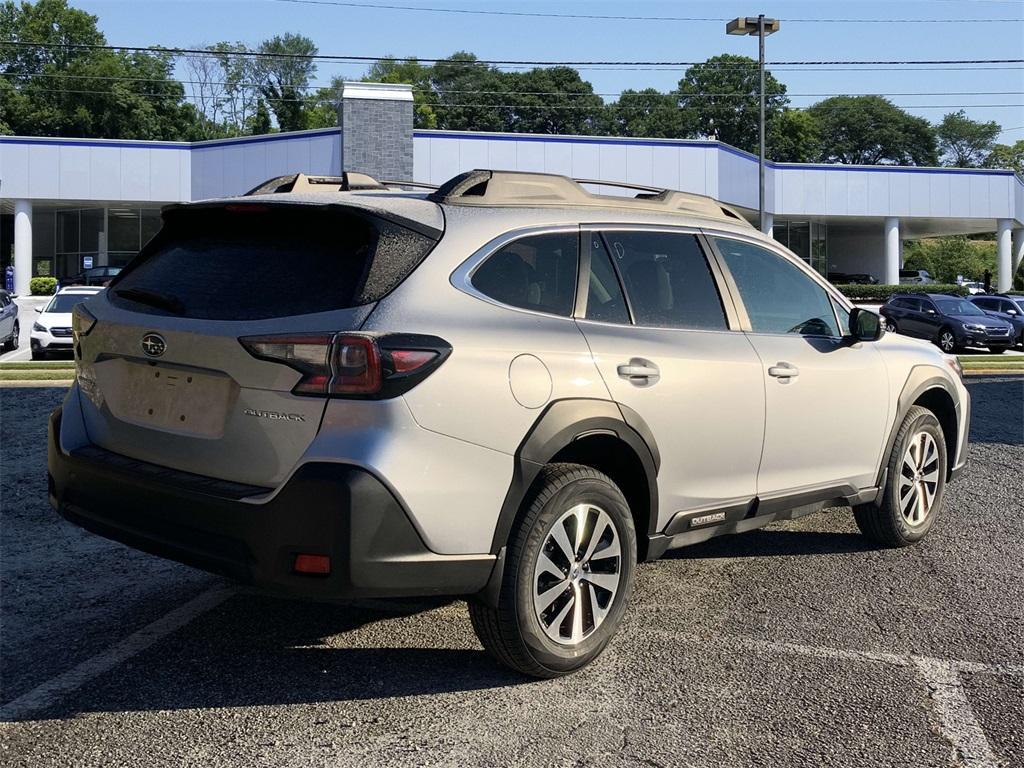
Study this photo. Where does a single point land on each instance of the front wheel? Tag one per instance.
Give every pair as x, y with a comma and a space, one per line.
914, 487
12, 343
568, 575
890, 325
947, 341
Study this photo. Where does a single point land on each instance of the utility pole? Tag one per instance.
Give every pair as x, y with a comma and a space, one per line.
762, 27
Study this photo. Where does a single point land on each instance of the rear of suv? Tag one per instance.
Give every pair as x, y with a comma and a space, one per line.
509, 389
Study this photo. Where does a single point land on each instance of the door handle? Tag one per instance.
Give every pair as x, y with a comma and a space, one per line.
783, 370
639, 371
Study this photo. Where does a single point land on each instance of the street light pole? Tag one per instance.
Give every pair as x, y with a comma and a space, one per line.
762, 27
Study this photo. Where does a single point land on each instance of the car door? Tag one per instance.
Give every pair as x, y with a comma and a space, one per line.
668, 347
826, 397
931, 320
8, 311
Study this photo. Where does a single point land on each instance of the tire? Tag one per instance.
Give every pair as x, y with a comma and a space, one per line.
890, 326
997, 350
888, 524
38, 354
515, 632
946, 341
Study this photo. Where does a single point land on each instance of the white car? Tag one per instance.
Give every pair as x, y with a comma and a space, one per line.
974, 288
52, 331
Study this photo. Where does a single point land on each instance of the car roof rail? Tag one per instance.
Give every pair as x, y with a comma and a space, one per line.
485, 188
349, 181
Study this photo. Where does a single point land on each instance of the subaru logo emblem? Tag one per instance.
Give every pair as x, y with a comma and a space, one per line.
153, 344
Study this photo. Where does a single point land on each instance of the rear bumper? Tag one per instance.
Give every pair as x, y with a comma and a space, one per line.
325, 508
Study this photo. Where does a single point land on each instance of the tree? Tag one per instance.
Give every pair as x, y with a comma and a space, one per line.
259, 122
948, 258
554, 100
284, 72
207, 86
963, 142
794, 136
720, 100
1007, 156
470, 96
872, 130
648, 113
85, 92
241, 74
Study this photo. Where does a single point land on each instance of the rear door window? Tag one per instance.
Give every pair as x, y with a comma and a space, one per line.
605, 301
252, 262
537, 272
667, 279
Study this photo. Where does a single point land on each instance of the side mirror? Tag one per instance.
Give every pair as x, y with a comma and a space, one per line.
39, 310
865, 326
930, 311
1011, 312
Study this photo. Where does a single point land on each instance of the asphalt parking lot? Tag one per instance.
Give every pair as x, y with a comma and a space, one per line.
796, 645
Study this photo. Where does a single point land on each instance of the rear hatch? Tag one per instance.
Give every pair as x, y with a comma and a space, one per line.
164, 375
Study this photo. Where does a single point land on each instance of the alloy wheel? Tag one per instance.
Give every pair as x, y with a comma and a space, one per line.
577, 575
946, 341
919, 479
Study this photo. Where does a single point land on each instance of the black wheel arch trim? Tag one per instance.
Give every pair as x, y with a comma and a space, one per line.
562, 422
922, 378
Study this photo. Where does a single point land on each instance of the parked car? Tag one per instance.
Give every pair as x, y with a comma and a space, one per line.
974, 288
93, 276
10, 329
951, 322
508, 389
916, 276
1009, 309
847, 278
52, 331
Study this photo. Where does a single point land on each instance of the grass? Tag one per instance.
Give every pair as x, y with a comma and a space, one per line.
37, 375
40, 365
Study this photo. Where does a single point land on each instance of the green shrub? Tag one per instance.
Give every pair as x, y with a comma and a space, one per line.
881, 293
42, 286
948, 257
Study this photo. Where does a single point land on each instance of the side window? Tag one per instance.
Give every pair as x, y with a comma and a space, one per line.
927, 305
779, 296
536, 272
605, 301
667, 279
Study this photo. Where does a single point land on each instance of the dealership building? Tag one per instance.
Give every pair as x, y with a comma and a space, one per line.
66, 204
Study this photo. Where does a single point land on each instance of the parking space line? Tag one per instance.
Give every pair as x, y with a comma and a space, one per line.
958, 722
53, 690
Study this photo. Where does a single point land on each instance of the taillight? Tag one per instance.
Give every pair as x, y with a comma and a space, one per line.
352, 365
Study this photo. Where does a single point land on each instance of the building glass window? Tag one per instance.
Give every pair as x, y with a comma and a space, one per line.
67, 240
807, 239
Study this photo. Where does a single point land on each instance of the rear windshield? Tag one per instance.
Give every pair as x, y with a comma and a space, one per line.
63, 303
252, 262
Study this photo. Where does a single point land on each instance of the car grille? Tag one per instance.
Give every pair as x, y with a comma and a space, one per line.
63, 332
998, 332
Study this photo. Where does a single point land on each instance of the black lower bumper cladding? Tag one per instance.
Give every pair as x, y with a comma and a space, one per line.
337, 510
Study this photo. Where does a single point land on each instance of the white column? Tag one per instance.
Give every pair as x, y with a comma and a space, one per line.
1005, 268
22, 246
1016, 249
769, 224
892, 251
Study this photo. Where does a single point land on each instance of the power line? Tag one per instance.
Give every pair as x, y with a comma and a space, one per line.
491, 105
539, 63
577, 94
603, 17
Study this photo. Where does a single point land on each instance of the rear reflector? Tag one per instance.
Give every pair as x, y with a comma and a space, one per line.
317, 565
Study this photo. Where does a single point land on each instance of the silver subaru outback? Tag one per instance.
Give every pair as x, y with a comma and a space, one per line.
509, 388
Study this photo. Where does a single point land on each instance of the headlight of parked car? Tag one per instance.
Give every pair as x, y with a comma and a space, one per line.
38, 327
974, 327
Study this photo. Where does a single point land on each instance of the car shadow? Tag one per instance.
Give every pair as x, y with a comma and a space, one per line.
997, 409
255, 650
775, 543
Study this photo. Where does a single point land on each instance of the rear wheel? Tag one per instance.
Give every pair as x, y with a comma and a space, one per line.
947, 341
568, 575
914, 487
12, 343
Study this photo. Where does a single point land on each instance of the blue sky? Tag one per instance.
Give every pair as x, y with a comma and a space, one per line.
373, 32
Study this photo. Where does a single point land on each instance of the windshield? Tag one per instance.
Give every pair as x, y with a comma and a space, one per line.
957, 307
63, 303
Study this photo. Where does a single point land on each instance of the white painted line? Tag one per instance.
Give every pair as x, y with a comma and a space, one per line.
957, 721
56, 688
